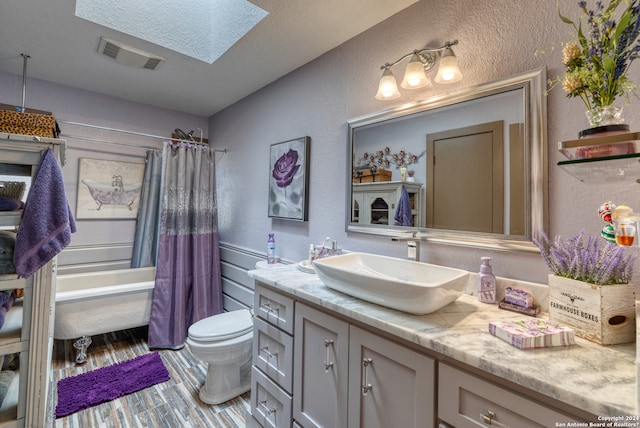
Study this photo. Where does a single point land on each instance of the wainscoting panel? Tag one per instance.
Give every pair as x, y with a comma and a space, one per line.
94, 258
237, 287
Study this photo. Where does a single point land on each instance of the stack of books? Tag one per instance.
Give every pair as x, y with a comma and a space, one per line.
532, 333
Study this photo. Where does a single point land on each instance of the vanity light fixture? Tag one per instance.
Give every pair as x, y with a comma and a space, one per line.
415, 75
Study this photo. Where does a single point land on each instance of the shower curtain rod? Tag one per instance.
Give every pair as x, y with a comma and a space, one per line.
124, 131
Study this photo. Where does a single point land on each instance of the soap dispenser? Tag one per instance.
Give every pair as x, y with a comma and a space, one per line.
487, 282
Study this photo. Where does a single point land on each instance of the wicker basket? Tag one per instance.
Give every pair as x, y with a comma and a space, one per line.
12, 189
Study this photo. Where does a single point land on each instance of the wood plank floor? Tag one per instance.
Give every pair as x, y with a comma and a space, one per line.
170, 404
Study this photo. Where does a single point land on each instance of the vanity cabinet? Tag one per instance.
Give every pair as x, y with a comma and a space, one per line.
341, 372
468, 401
26, 335
272, 370
375, 203
346, 376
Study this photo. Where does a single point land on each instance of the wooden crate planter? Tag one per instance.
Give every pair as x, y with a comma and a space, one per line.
604, 314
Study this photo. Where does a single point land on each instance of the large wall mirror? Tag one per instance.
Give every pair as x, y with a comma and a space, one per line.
465, 168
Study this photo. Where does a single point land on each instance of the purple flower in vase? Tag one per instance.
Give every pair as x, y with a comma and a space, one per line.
285, 168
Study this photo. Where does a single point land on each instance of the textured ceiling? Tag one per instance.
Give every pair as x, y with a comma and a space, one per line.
201, 29
63, 49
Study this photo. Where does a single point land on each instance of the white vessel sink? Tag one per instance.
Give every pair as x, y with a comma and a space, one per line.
408, 286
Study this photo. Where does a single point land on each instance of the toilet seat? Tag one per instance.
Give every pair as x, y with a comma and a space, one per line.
224, 326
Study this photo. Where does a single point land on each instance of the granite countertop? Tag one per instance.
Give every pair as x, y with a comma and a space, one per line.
598, 379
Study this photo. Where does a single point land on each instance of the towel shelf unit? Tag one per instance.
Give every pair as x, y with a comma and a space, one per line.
25, 340
375, 203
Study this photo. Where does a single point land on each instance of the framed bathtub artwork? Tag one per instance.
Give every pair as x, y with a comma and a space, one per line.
289, 179
108, 189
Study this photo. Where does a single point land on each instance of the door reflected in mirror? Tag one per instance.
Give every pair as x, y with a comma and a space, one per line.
472, 163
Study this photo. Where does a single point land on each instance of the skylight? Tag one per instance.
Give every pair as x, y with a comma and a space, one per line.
201, 29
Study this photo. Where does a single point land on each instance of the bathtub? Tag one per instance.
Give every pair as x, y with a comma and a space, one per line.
93, 303
107, 194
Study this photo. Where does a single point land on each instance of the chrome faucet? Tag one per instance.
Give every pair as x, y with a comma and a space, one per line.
413, 246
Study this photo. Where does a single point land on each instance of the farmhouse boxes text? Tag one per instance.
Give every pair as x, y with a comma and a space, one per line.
604, 314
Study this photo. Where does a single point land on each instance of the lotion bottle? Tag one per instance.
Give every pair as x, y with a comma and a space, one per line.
487, 282
271, 249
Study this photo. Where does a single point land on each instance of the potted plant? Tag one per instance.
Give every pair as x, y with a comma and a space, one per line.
590, 288
597, 61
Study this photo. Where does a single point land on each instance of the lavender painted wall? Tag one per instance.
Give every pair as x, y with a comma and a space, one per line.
75, 105
497, 38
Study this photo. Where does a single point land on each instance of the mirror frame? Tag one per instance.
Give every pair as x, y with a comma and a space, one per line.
536, 194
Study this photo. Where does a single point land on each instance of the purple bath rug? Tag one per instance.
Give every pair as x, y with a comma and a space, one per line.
108, 383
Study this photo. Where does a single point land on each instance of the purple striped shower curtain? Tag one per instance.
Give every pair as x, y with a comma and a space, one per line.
188, 285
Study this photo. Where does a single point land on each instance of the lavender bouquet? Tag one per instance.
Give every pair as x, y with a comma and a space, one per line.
586, 261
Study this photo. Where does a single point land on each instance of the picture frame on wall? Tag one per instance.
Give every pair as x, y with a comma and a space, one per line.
108, 189
289, 179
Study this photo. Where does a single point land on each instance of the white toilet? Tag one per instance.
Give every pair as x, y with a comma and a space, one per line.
224, 342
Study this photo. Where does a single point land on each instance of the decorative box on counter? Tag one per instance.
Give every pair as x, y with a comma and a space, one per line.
365, 176
532, 333
604, 314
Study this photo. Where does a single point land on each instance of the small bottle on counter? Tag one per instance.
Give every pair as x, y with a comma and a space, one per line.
271, 249
312, 253
487, 282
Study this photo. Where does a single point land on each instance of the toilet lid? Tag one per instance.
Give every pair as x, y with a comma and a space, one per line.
223, 326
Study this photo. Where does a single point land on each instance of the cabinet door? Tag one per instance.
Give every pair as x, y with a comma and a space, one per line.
469, 401
380, 207
358, 211
321, 346
389, 385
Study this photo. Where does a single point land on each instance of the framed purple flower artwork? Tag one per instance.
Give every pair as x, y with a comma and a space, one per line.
288, 179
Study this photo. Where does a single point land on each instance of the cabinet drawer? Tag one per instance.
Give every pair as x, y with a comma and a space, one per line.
465, 400
270, 405
274, 308
273, 353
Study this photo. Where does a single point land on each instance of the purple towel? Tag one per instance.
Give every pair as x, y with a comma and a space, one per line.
403, 215
47, 220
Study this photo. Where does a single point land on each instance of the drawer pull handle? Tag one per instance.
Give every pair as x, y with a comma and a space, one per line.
266, 307
270, 355
366, 386
327, 364
266, 408
490, 419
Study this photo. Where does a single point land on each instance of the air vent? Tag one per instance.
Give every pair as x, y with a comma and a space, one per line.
129, 55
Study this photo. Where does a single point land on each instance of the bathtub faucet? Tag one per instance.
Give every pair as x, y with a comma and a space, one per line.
117, 183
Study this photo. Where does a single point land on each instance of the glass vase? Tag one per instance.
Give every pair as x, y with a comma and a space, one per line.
602, 116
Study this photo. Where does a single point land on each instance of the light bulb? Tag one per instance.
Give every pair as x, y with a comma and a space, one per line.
414, 75
448, 71
388, 87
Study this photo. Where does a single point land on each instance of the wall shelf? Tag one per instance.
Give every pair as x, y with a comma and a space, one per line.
603, 169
